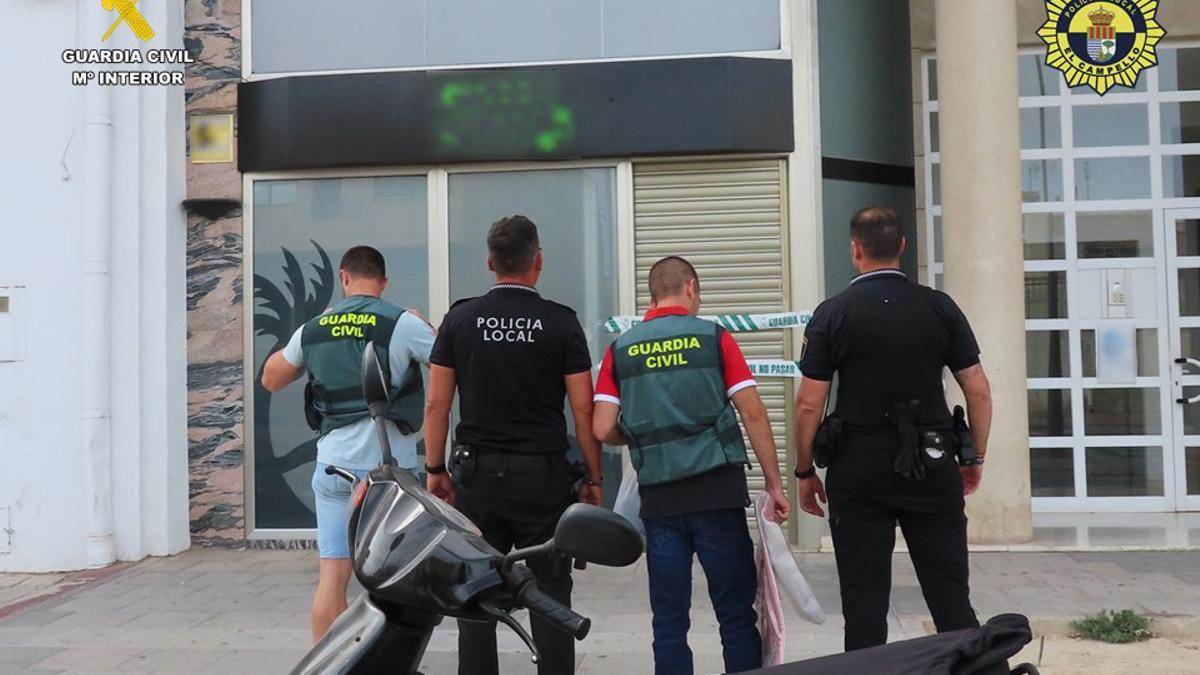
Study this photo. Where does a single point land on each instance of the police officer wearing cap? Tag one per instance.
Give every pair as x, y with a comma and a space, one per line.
513, 357
329, 348
895, 452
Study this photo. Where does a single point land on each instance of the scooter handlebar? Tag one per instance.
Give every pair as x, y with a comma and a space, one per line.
554, 611
335, 471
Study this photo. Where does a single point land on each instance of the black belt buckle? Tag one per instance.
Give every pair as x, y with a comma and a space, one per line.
463, 465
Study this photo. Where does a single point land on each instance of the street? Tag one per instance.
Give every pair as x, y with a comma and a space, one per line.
246, 611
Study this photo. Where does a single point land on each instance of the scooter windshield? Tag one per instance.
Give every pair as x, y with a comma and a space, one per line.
413, 549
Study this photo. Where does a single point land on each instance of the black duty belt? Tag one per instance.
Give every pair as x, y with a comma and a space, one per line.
500, 462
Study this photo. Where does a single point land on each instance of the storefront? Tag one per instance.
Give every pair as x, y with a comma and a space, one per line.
430, 227
645, 148
741, 137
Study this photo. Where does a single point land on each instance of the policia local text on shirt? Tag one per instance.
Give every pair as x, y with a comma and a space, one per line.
890, 444
513, 357
668, 388
329, 347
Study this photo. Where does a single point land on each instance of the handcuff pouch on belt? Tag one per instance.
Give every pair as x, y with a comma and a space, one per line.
829, 440
919, 451
463, 465
311, 415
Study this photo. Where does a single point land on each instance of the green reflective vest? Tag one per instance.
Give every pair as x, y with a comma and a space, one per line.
675, 413
333, 344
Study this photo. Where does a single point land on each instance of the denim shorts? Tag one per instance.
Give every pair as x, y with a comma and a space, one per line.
332, 496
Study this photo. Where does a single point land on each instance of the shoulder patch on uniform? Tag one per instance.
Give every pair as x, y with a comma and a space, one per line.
803, 347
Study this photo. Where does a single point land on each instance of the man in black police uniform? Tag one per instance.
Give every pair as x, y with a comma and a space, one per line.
888, 340
513, 357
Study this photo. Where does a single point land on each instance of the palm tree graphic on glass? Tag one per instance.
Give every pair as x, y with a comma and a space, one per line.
281, 486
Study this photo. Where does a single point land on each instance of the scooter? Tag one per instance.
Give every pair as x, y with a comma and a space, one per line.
420, 560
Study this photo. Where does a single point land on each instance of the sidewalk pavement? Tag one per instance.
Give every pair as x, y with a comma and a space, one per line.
246, 611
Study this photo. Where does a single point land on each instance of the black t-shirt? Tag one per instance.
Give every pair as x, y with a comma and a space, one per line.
722, 488
510, 350
888, 340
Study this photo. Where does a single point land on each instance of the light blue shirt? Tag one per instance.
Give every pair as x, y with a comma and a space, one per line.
355, 446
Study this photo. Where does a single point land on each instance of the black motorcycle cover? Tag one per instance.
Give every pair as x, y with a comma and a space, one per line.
977, 651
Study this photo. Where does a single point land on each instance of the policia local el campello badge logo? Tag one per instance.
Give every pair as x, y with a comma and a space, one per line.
1101, 43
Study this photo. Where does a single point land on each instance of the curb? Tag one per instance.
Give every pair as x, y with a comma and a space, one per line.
70, 583
1178, 627
1164, 626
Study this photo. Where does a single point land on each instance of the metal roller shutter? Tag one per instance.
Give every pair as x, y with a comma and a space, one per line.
728, 219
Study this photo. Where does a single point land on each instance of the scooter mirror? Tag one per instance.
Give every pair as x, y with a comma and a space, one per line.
598, 536
375, 390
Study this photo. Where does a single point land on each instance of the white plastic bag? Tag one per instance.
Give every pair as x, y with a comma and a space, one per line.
787, 574
629, 502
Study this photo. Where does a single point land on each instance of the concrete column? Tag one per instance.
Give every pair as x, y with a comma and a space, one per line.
981, 231
806, 272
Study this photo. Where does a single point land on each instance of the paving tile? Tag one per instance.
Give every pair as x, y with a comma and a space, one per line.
174, 661
16, 658
74, 620
246, 619
257, 661
35, 617
20, 636
166, 619
76, 658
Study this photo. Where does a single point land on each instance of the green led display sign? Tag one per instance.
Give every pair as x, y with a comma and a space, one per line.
501, 114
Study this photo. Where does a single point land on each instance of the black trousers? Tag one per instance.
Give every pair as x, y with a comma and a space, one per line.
518, 504
867, 498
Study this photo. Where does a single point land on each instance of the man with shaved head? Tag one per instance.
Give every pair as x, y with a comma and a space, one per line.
669, 389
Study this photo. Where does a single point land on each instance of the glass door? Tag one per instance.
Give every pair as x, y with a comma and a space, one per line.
300, 229
575, 210
426, 223
1183, 276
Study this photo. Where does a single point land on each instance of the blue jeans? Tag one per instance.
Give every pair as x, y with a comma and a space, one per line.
722, 542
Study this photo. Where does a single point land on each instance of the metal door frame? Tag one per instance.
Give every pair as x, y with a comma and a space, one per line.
1185, 375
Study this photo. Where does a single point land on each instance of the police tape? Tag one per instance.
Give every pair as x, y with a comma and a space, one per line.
774, 368
763, 368
735, 323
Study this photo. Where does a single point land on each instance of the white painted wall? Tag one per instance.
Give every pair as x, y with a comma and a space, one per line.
42, 221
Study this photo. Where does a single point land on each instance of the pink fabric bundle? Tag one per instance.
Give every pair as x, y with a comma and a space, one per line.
770, 610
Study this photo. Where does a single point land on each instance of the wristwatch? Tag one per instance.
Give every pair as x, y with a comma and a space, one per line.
807, 473
587, 480
434, 470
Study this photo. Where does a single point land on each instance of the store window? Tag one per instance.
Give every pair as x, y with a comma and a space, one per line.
575, 211
1040, 128
300, 230
1123, 234
1098, 126
290, 36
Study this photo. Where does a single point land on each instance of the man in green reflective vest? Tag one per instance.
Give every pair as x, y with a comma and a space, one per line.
668, 388
329, 348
